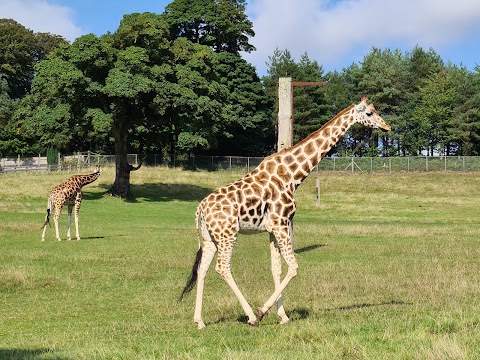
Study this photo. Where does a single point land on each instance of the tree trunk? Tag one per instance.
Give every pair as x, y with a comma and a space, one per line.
121, 186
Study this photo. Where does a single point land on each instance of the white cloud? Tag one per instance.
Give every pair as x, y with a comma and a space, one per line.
330, 30
42, 16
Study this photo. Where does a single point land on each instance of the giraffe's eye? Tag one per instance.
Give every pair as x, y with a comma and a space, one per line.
369, 113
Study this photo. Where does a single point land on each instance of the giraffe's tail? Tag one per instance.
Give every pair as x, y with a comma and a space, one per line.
193, 277
192, 280
49, 211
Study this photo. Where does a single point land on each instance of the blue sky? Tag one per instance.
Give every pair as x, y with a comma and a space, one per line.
335, 33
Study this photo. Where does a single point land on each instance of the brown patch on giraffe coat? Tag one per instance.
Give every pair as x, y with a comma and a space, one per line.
270, 167
306, 167
225, 203
278, 207
299, 175
257, 189
277, 182
286, 198
297, 152
319, 142
250, 202
309, 148
289, 159
262, 177
314, 159
293, 167
277, 159
301, 158
288, 210
239, 194
219, 197
283, 173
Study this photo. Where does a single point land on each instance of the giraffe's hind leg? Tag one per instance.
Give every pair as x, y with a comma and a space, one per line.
277, 272
208, 253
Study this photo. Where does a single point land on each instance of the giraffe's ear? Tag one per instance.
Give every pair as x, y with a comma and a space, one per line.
371, 107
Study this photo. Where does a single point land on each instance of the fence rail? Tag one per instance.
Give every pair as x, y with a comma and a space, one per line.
345, 164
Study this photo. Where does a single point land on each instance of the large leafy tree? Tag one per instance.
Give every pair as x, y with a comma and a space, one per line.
466, 124
20, 50
247, 127
116, 85
384, 76
219, 24
310, 108
435, 111
9, 141
420, 64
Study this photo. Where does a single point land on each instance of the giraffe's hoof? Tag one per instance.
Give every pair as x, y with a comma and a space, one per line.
69, 239
260, 314
286, 320
200, 325
59, 239
254, 322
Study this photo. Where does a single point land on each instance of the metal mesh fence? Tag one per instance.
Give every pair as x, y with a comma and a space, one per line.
344, 164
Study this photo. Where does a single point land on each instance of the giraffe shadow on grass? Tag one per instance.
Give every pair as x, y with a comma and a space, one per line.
367, 305
294, 315
27, 354
308, 248
156, 192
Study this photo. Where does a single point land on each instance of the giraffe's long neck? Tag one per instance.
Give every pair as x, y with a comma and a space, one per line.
303, 157
82, 180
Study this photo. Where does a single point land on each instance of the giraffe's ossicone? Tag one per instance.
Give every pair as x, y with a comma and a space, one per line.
263, 201
68, 193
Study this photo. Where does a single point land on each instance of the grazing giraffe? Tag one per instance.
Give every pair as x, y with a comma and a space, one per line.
70, 193
263, 201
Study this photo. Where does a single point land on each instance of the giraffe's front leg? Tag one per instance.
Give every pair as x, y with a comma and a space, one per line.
282, 236
277, 272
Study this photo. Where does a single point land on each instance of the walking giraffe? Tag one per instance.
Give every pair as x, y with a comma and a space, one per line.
70, 193
263, 201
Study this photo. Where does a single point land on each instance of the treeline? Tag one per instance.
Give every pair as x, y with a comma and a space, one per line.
175, 84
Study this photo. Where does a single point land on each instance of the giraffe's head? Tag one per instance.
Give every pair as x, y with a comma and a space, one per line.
97, 169
365, 114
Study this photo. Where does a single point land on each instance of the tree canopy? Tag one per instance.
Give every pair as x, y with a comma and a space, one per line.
141, 87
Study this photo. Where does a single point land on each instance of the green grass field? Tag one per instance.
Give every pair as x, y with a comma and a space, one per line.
389, 268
